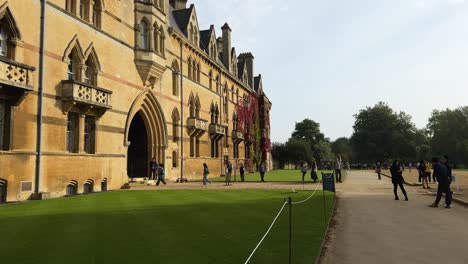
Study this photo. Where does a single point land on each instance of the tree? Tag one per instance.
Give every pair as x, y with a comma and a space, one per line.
298, 150
342, 146
381, 134
323, 151
449, 134
309, 131
279, 153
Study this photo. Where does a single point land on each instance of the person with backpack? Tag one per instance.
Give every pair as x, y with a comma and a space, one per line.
441, 172
262, 171
153, 169
205, 174
161, 175
313, 172
423, 175
242, 172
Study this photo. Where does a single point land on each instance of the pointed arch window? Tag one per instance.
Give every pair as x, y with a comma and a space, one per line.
190, 71
175, 78
198, 72
90, 72
237, 96
3, 41
175, 124
73, 69
157, 37
162, 41
218, 84
144, 41
210, 76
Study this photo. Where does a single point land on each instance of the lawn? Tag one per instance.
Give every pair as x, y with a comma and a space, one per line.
275, 176
169, 226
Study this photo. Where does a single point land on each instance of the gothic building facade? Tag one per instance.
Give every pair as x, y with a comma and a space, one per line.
92, 90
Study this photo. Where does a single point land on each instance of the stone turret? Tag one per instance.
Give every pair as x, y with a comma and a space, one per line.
227, 46
248, 59
178, 4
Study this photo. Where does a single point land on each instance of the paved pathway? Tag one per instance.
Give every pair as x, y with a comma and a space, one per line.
374, 228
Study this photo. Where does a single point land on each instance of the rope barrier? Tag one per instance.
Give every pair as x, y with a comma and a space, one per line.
305, 200
274, 221
268, 231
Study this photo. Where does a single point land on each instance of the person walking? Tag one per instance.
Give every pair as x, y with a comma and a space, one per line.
205, 174
428, 168
153, 169
378, 170
262, 170
304, 170
313, 171
422, 175
397, 179
228, 171
445, 162
442, 175
242, 172
161, 175
338, 170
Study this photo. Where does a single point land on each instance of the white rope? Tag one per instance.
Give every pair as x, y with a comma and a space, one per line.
268, 231
305, 200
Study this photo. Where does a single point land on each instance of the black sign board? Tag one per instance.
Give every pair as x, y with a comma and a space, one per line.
328, 181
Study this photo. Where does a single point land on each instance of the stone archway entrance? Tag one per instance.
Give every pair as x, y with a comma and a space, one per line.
137, 157
145, 135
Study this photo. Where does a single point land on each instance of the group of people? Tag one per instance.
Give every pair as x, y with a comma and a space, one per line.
157, 172
313, 171
229, 169
441, 172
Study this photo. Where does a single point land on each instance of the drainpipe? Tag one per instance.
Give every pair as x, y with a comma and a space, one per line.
181, 114
37, 179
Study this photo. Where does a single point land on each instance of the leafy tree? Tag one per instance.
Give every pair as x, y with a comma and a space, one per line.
323, 151
280, 153
298, 150
309, 131
449, 134
342, 146
381, 134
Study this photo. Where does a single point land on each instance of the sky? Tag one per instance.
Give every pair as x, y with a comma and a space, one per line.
327, 59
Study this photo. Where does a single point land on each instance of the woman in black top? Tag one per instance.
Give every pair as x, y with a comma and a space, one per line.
397, 179
313, 171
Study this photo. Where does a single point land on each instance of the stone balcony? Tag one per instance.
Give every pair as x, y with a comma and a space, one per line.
196, 126
85, 97
16, 79
237, 136
217, 131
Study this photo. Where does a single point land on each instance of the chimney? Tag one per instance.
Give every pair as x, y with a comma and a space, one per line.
248, 58
227, 46
178, 4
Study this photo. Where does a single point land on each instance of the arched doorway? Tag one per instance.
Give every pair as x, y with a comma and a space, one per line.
137, 161
145, 135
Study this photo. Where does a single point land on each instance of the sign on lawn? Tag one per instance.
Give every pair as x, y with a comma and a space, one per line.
328, 181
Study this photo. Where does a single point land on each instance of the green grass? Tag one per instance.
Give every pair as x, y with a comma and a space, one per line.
274, 176
168, 226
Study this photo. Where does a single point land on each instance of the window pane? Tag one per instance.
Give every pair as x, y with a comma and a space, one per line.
90, 134
72, 132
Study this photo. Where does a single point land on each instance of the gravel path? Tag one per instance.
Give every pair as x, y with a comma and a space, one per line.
371, 227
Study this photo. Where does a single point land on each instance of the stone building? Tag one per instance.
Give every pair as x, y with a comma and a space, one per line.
91, 90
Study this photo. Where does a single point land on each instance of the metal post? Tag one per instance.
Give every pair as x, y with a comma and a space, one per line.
290, 229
